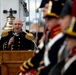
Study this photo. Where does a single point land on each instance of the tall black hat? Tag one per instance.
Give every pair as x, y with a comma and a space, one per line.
55, 8
67, 9
43, 2
71, 31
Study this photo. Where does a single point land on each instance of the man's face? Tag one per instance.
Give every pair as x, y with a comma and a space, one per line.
45, 9
65, 22
70, 43
50, 22
17, 25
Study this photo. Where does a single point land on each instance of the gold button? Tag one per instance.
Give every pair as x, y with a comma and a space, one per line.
12, 48
19, 42
19, 38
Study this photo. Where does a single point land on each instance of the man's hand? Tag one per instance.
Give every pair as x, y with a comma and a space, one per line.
11, 40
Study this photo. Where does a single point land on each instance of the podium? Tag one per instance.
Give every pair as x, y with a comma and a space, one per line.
10, 61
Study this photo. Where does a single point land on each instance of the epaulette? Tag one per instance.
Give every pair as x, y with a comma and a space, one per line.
4, 34
29, 36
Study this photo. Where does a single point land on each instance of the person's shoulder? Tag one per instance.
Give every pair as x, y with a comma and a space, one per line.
4, 33
28, 35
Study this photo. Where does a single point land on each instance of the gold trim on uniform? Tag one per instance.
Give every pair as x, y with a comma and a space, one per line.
42, 62
4, 34
52, 14
29, 36
4, 45
50, 6
12, 47
56, 32
37, 73
41, 67
24, 64
70, 32
57, 28
29, 62
21, 68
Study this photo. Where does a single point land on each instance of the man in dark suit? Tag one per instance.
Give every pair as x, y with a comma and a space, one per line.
17, 39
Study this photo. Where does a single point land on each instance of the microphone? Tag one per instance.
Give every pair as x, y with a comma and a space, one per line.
14, 35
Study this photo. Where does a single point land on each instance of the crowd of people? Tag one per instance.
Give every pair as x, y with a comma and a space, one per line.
56, 50
55, 56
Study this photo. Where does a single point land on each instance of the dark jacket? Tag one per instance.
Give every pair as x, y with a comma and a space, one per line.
20, 41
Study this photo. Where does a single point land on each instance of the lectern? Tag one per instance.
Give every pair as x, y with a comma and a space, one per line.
10, 61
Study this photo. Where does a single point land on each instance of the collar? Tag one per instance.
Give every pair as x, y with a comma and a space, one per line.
17, 33
55, 30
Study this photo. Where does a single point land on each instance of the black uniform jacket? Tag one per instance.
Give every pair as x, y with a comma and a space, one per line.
39, 56
20, 41
52, 54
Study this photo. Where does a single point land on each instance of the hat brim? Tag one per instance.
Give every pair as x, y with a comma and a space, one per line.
69, 33
51, 15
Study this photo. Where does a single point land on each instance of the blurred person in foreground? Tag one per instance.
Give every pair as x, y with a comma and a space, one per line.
70, 34
17, 39
52, 21
51, 53
70, 63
